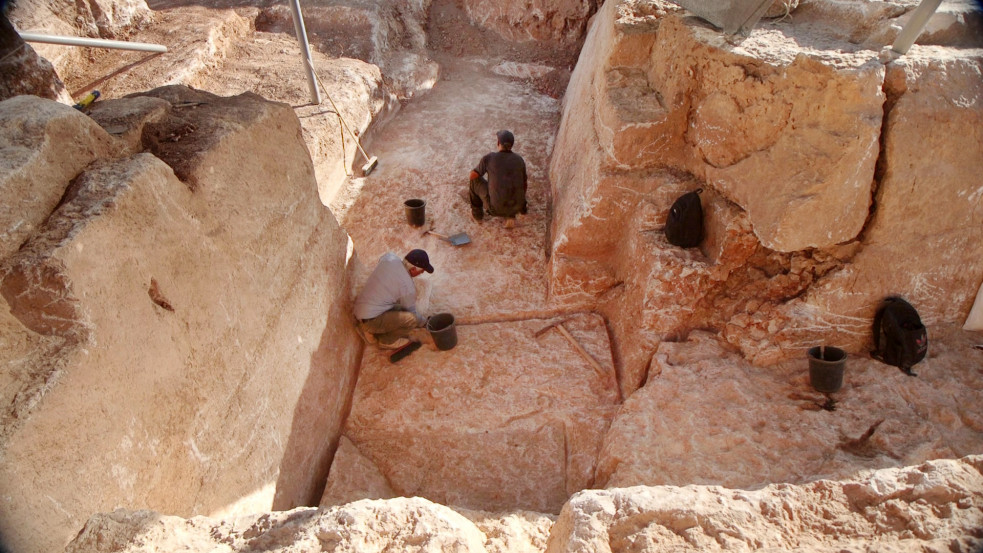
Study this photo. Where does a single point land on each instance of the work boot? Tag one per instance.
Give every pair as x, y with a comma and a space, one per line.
510, 222
477, 214
400, 342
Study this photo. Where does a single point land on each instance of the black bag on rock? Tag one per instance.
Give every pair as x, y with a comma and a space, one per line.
684, 225
900, 338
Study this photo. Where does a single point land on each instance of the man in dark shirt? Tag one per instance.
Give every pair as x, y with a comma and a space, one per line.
504, 193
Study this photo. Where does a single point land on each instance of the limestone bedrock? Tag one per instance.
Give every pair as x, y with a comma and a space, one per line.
936, 506
167, 339
823, 169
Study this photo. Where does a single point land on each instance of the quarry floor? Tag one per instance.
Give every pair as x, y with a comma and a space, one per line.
532, 410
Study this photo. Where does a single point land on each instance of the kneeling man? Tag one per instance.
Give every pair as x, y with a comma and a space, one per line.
386, 306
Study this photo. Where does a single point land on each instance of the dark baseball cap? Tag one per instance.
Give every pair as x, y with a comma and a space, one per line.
419, 258
505, 138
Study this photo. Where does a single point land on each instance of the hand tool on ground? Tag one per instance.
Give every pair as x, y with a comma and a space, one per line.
404, 351
87, 100
580, 349
372, 161
459, 239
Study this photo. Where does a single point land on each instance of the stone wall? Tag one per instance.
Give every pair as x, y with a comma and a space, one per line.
823, 167
175, 320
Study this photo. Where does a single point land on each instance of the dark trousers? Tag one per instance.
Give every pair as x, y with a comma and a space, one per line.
481, 202
478, 196
391, 325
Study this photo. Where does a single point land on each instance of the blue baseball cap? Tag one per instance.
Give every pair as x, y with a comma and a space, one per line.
419, 258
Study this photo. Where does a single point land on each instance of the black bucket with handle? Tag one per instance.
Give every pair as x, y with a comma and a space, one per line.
416, 212
826, 365
442, 330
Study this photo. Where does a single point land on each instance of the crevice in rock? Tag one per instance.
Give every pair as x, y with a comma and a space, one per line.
891, 97
615, 354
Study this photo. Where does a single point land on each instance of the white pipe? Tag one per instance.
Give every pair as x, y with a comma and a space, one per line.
305, 51
93, 42
915, 25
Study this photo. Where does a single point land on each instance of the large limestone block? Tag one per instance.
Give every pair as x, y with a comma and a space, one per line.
503, 420
792, 139
580, 153
928, 202
125, 118
200, 367
45, 146
933, 506
706, 416
929, 198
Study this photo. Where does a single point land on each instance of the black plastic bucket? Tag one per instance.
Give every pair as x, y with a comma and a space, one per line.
416, 212
826, 366
442, 330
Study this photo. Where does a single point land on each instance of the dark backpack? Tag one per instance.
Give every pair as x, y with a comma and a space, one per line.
684, 225
899, 335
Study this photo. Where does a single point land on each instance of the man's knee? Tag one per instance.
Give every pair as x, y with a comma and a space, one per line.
407, 320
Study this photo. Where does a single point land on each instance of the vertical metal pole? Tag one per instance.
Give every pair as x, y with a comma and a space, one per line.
305, 50
915, 25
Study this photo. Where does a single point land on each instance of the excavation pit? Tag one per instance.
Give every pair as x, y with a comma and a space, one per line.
503, 421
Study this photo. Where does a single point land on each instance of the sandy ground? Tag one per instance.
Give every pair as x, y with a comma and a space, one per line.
426, 153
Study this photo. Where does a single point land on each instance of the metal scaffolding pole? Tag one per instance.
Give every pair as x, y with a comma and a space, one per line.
915, 25
305, 51
92, 42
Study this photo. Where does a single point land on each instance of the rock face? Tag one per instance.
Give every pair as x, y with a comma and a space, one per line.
804, 146
46, 145
934, 506
478, 426
937, 106
174, 323
23, 71
390, 35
